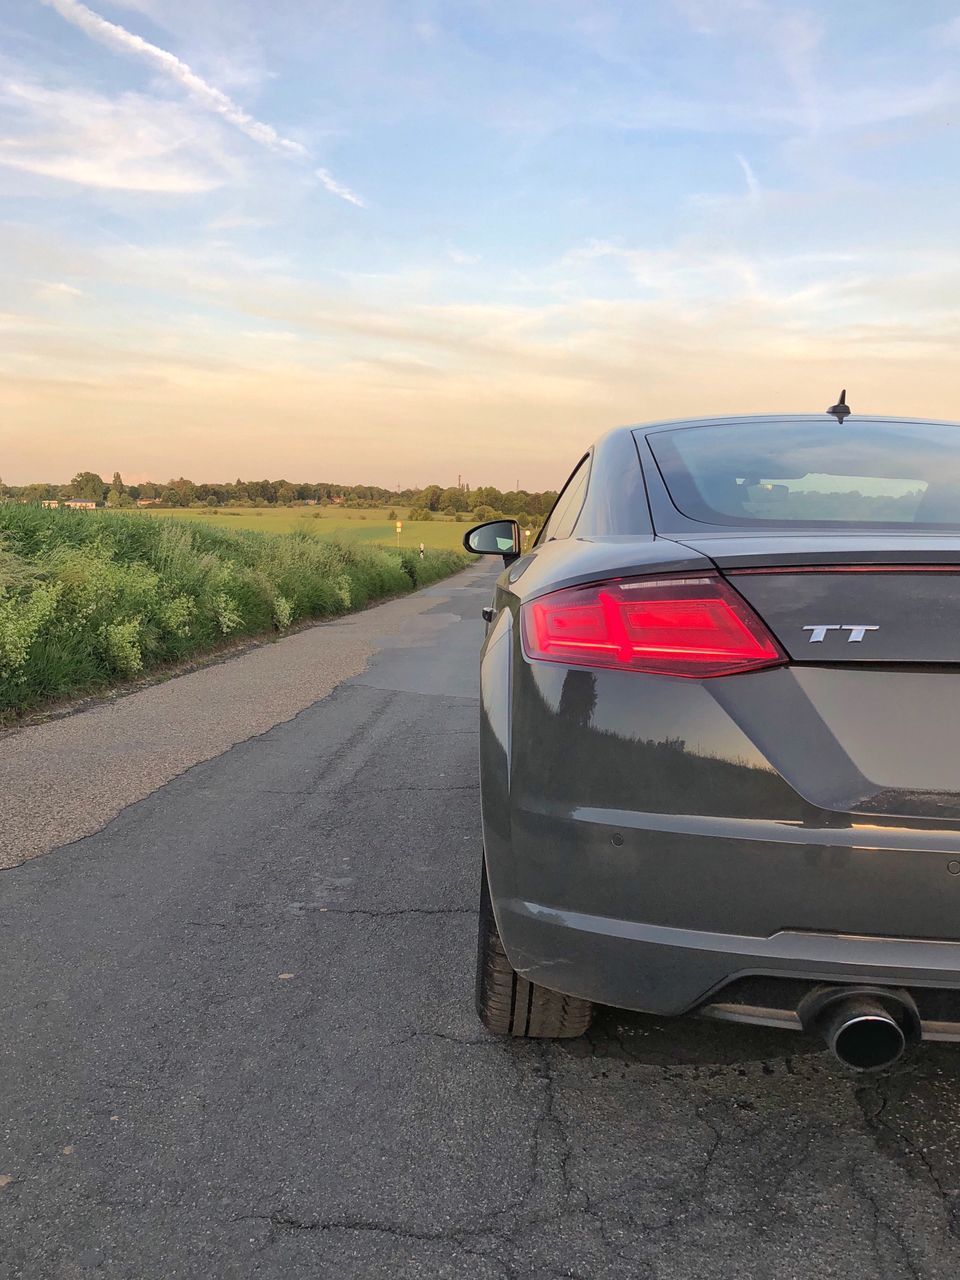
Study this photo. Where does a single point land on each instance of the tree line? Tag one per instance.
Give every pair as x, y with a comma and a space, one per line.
433, 500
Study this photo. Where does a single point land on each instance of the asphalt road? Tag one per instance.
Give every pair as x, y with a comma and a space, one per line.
237, 1039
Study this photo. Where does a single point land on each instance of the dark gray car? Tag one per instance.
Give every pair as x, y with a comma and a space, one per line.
720, 743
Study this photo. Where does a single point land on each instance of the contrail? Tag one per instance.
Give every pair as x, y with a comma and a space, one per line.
753, 184
117, 37
338, 189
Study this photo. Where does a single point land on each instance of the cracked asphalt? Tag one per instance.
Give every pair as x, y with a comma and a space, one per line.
238, 1040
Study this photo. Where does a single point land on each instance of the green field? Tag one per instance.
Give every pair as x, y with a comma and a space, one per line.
330, 522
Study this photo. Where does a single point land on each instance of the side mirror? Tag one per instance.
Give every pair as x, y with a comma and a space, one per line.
494, 538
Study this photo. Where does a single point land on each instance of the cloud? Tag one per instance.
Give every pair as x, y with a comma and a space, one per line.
207, 95
338, 189
534, 401
460, 257
211, 337
792, 35
773, 296
701, 297
233, 221
753, 185
117, 37
58, 291
130, 143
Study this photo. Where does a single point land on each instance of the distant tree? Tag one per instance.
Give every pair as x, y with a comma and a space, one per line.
431, 497
185, 489
454, 499
451, 502
261, 490
88, 485
36, 492
489, 497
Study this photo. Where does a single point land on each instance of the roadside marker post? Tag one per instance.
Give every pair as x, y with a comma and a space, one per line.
399, 531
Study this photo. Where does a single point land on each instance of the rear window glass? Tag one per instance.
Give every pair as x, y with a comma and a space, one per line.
808, 473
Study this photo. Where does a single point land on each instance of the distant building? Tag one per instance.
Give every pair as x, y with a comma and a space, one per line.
147, 502
50, 502
81, 504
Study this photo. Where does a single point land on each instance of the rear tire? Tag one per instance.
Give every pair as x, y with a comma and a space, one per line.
509, 1005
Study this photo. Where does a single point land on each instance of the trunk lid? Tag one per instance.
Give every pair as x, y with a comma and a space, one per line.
885, 740
860, 600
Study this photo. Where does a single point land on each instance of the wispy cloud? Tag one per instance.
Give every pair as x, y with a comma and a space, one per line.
58, 291
117, 37
235, 220
460, 257
753, 184
207, 95
338, 189
128, 143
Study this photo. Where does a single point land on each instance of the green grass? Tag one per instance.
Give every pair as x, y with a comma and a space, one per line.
89, 599
371, 526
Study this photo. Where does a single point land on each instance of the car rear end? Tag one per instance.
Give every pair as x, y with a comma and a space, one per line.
730, 760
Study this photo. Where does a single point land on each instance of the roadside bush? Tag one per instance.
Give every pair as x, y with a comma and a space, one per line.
86, 600
433, 566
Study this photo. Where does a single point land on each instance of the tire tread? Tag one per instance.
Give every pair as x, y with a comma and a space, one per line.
510, 1005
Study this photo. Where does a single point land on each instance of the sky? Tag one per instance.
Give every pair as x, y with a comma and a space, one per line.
402, 241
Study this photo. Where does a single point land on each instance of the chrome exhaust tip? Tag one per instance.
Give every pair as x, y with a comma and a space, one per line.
865, 1028
862, 1032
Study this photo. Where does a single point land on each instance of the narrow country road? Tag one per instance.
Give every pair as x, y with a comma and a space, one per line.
237, 1035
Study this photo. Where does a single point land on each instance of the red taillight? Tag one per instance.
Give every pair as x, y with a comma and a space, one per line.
689, 626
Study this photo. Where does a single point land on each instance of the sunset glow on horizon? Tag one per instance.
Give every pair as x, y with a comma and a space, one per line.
396, 243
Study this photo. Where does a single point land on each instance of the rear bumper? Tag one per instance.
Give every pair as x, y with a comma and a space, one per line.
646, 847
661, 912
655, 969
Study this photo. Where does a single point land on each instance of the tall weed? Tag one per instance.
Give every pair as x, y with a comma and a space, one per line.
86, 600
